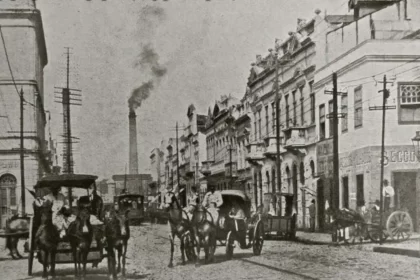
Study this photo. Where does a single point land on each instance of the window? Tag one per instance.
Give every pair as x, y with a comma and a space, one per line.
312, 108
287, 111
273, 117
259, 123
409, 103
267, 127
360, 196
344, 111
358, 107
302, 173
294, 108
331, 120
345, 193
302, 112
3, 200
322, 121
255, 128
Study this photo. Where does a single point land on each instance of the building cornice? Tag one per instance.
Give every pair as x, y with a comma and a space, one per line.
364, 59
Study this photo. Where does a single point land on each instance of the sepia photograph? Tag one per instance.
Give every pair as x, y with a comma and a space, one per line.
209, 139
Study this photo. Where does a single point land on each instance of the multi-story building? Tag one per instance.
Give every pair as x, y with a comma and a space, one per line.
193, 149
155, 164
242, 132
220, 167
24, 48
292, 65
380, 39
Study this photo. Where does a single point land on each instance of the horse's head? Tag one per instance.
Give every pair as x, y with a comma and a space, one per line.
45, 212
117, 222
170, 201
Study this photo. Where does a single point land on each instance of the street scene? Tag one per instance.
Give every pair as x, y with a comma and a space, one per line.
213, 139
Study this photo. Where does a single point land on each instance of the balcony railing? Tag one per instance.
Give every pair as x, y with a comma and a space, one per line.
217, 167
271, 146
205, 168
255, 151
299, 137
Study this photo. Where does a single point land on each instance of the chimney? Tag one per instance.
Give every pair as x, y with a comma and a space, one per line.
133, 157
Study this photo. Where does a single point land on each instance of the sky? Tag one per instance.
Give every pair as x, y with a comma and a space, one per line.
204, 49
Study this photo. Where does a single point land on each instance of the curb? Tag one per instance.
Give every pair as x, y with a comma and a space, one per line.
397, 251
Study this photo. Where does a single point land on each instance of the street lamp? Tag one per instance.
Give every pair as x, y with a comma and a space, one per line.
416, 144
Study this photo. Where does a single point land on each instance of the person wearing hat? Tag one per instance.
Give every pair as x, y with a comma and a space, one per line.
192, 202
61, 216
312, 215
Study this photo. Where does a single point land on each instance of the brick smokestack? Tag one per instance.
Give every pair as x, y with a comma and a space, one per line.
133, 156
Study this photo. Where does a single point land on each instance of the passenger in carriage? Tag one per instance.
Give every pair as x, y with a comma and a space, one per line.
192, 202
61, 213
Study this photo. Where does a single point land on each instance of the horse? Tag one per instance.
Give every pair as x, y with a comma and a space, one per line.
348, 218
117, 233
46, 239
19, 227
205, 233
80, 235
178, 223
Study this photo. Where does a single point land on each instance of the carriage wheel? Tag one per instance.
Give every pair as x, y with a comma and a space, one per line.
374, 233
258, 241
230, 243
189, 248
399, 225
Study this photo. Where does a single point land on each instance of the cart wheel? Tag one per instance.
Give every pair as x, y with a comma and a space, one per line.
230, 243
189, 248
399, 225
258, 241
374, 233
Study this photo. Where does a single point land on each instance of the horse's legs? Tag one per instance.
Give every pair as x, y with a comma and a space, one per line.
123, 256
45, 264
171, 238
182, 247
206, 248
119, 249
197, 240
85, 254
75, 258
111, 262
9, 246
15, 242
212, 246
52, 264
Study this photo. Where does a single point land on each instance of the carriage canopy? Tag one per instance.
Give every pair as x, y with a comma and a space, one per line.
235, 196
66, 180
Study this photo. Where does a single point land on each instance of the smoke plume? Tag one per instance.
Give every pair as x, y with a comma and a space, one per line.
148, 59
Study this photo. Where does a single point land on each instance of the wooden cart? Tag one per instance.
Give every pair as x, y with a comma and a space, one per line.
279, 226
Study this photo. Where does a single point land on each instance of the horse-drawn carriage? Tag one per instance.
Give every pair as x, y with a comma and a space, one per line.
395, 224
134, 204
248, 232
276, 225
42, 218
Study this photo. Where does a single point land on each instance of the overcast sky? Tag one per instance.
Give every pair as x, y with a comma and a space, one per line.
206, 47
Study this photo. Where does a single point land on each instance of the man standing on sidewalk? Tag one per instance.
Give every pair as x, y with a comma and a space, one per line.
312, 212
388, 193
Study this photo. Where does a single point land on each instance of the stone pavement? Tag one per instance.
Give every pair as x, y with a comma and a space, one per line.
410, 247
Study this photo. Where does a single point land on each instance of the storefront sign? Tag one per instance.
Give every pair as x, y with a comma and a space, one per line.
9, 164
403, 155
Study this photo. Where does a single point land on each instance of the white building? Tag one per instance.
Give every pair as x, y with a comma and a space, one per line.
382, 39
26, 52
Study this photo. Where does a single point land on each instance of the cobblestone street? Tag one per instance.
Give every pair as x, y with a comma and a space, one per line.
148, 258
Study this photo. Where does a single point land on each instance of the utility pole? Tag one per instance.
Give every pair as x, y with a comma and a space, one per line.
177, 164
278, 160
384, 107
335, 115
68, 99
125, 178
22, 156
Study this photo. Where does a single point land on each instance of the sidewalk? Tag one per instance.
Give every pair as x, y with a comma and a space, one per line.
410, 247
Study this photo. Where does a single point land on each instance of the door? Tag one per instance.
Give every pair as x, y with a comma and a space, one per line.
360, 195
345, 193
405, 194
320, 201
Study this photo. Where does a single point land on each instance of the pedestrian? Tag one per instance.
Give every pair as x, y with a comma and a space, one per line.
388, 193
312, 214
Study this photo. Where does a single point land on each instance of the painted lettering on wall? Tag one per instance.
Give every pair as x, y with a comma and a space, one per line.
405, 156
9, 164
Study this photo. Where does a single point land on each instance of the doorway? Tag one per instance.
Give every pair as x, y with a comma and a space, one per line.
320, 201
295, 188
405, 194
345, 193
360, 190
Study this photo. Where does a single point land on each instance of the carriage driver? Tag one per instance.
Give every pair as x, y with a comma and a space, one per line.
212, 201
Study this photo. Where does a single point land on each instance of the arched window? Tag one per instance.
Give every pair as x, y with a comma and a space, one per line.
312, 165
288, 177
7, 192
302, 173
